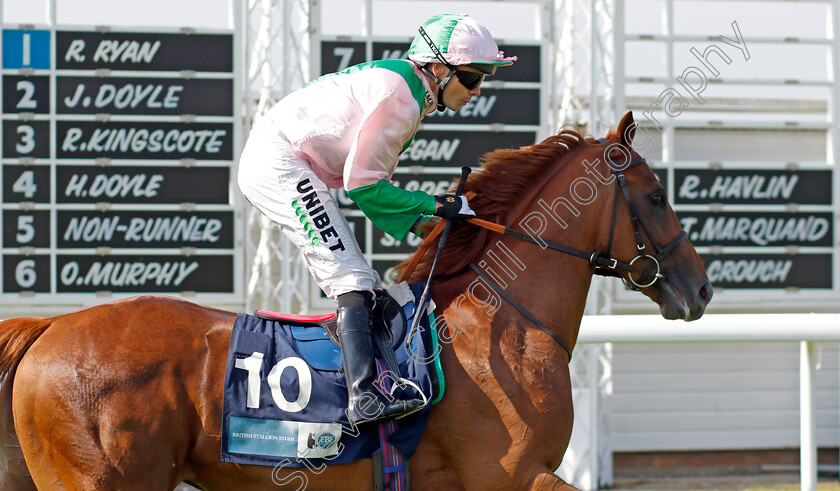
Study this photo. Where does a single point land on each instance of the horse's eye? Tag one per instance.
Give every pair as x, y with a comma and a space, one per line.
658, 199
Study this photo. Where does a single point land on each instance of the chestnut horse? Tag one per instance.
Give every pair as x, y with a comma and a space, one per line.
127, 395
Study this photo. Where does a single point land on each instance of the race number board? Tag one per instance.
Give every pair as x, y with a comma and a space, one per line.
508, 114
117, 160
768, 228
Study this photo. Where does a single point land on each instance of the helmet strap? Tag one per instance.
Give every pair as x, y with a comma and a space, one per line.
442, 82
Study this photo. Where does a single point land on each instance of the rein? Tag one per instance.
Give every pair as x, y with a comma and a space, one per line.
602, 263
522, 310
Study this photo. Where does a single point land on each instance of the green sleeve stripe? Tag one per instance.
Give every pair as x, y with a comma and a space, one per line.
394, 210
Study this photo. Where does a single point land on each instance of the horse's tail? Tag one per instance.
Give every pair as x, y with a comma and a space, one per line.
16, 335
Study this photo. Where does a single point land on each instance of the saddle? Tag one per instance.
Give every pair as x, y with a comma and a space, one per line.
393, 308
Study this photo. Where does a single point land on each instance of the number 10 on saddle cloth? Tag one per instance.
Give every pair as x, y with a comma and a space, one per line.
285, 396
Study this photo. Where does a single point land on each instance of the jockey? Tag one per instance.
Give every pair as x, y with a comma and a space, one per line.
347, 130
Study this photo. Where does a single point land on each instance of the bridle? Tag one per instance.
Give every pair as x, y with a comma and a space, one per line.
638, 227
601, 262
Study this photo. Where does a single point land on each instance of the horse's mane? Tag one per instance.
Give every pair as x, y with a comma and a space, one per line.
505, 174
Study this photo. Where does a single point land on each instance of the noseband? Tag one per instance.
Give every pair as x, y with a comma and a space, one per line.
602, 263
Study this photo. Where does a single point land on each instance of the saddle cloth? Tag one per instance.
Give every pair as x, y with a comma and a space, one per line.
285, 399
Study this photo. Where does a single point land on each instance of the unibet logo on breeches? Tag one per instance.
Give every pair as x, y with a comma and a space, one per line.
313, 216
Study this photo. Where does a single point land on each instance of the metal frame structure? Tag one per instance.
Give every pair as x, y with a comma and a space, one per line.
585, 92
280, 42
277, 62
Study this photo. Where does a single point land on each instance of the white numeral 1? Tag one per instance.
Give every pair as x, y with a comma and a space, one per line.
27, 49
253, 364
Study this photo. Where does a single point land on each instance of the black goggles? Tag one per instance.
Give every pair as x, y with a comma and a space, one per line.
469, 80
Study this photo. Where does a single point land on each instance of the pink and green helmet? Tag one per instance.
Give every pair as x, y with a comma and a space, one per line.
461, 41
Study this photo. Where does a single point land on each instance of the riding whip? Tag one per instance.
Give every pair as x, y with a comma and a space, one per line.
424, 298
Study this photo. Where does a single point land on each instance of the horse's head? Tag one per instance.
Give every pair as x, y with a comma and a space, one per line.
531, 192
645, 233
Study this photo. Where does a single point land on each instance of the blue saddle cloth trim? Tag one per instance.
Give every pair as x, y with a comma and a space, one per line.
317, 348
277, 342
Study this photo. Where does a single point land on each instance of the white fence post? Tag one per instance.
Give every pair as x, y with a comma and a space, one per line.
807, 417
593, 377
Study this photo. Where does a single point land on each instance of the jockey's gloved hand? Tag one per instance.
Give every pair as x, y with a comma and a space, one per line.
453, 207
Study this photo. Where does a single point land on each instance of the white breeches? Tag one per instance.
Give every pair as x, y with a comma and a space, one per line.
283, 187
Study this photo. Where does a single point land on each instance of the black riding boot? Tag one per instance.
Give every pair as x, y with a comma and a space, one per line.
366, 403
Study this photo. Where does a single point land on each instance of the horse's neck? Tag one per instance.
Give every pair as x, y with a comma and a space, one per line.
550, 284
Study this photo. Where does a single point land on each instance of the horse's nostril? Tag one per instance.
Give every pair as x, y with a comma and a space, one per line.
705, 291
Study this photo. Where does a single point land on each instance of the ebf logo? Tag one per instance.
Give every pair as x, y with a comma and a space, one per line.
326, 440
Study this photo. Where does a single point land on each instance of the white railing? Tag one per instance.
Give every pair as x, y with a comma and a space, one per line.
804, 328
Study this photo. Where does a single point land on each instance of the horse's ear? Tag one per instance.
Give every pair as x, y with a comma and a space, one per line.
627, 129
